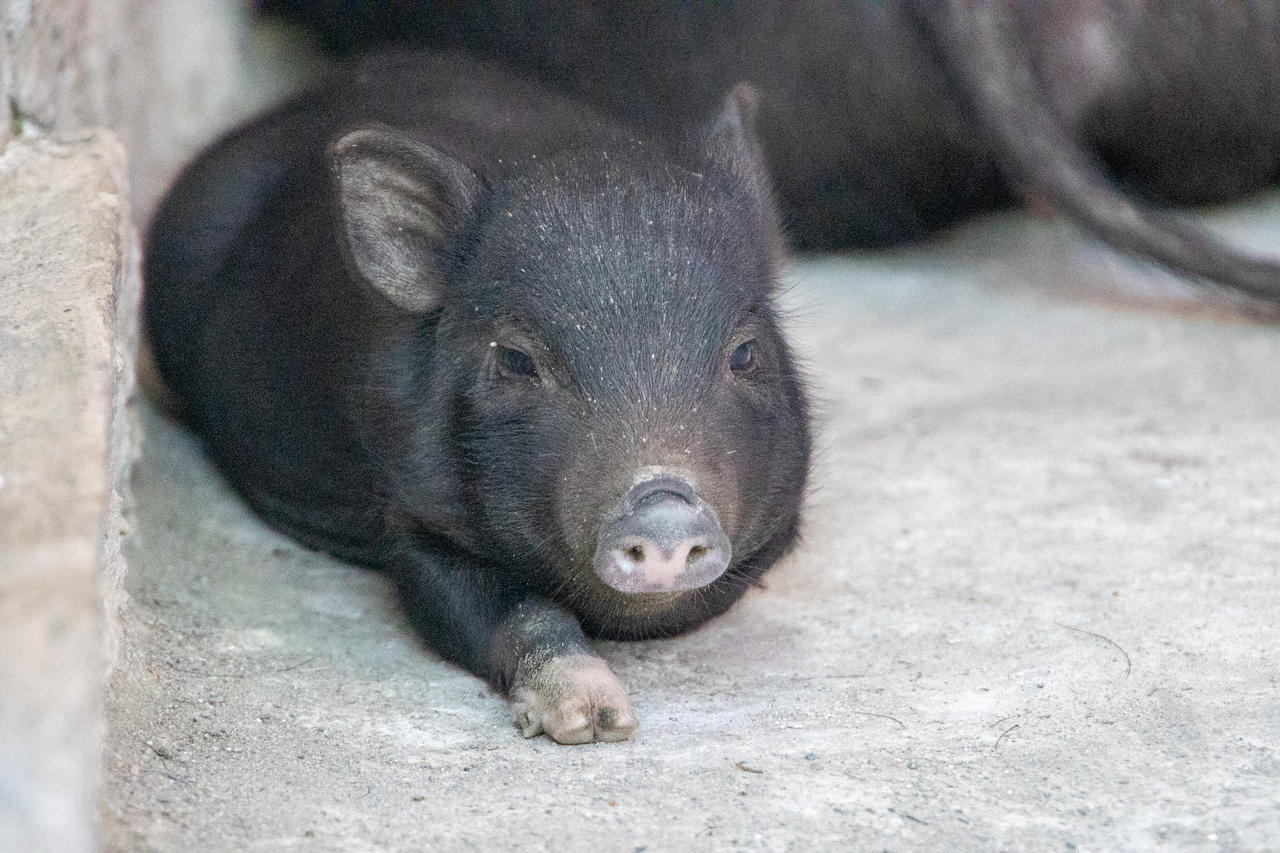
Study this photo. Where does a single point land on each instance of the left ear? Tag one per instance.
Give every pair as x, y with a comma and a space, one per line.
726, 141
728, 138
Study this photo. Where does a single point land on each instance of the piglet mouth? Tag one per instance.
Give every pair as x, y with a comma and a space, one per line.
661, 538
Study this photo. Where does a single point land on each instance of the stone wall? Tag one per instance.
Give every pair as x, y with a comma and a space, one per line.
164, 75
66, 304
65, 285
54, 63
87, 87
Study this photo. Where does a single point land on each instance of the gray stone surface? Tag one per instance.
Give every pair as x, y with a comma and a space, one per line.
165, 75
67, 288
1036, 608
59, 62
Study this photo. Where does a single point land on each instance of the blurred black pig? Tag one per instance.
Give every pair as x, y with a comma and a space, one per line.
884, 121
438, 320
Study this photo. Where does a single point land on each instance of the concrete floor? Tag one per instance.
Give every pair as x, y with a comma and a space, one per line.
1038, 607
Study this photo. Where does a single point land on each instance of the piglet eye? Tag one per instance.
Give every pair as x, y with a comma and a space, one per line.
513, 362
744, 358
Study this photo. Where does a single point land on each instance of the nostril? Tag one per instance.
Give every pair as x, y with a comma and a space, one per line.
697, 552
635, 553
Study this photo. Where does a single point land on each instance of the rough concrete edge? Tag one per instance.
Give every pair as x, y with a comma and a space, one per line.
6, 83
123, 444
122, 441
118, 312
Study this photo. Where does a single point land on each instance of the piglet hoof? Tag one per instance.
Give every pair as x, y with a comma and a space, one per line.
574, 699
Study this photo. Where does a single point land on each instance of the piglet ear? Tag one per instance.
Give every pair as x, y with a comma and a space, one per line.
728, 138
399, 201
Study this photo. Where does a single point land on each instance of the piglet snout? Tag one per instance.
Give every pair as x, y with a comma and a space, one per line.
663, 538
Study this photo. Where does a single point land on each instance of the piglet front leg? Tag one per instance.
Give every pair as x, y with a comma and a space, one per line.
554, 681
527, 647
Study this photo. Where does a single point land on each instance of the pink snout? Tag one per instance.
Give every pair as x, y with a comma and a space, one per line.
664, 538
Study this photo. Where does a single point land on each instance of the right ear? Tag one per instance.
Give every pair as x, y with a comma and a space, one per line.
399, 201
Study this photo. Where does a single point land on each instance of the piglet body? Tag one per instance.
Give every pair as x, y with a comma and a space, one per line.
439, 321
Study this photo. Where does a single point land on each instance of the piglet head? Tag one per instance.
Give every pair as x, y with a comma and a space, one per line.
623, 416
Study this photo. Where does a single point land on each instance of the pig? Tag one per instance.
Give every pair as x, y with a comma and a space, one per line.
1161, 89
437, 320
855, 160
884, 122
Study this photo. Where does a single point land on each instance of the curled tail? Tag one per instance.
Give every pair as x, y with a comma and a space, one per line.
993, 67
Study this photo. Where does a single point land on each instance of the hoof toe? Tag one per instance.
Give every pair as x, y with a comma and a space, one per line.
573, 699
